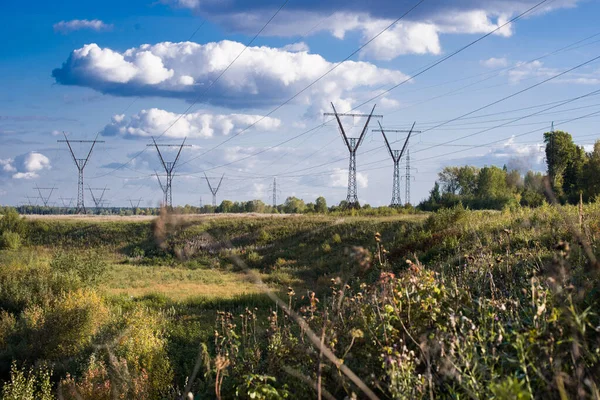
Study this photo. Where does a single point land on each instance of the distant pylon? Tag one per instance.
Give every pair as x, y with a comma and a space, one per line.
45, 199
97, 200
274, 192
80, 163
396, 157
408, 178
214, 190
169, 166
352, 144
67, 202
137, 203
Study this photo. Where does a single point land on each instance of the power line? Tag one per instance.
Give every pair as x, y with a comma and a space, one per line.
169, 166
425, 69
335, 66
80, 163
187, 110
214, 191
396, 157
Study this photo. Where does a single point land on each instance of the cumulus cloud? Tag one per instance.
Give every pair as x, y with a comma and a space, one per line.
494, 62
264, 76
65, 27
536, 69
154, 122
520, 156
25, 166
419, 32
339, 178
296, 47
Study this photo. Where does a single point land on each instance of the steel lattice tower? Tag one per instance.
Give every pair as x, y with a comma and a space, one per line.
353, 145
407, 193
97, 200
80, 163
214, 190
169, 166
46, 199
396, 157
274, 192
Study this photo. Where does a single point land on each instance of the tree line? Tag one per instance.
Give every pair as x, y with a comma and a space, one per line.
572, 174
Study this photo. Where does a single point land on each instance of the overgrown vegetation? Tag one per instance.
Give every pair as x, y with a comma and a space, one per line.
453, 304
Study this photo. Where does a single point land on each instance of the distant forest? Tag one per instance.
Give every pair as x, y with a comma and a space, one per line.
572, 174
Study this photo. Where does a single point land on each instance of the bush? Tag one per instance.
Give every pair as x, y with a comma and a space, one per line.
67, 327
88, 267
10, 240
28, 385
11, 221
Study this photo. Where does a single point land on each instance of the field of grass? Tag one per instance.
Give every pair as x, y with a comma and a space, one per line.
456, 304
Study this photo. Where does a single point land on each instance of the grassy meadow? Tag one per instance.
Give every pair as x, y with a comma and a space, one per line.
452, 304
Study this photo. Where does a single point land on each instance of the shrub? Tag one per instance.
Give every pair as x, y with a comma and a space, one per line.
100, 382
87, 267
13, 222
28, 385
67, 327
10, 240
143, 346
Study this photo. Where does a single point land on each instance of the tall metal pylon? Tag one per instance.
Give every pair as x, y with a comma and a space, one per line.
353, 145
29, 201
408, 178
214, 190
80, 163
67, 202
137, 203
98, 200
396, 156
45, 199
274, 192
169, 166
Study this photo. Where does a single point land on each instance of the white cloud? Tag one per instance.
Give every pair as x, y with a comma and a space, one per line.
296, 47
25, 166
65, 27
263, 76
418, 32
520, 156
536, 69
494, 62
339, 178
7, 165
154, 122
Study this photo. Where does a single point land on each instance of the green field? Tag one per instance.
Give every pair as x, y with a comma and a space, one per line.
456, 304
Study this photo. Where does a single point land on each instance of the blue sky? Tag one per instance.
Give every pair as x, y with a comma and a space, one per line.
131, 70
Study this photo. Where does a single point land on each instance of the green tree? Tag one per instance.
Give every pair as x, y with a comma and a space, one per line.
560, 150
294, 205
321, 205
573, 176
225, 207
491, 183
591, 174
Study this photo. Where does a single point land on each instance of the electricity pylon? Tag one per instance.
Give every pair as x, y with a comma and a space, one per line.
98, 200
67, 202
137, 204
352, 144
397, 156
408, 178
274, 193
80, 163
169, 166
45, 199
29, 201
214, 190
